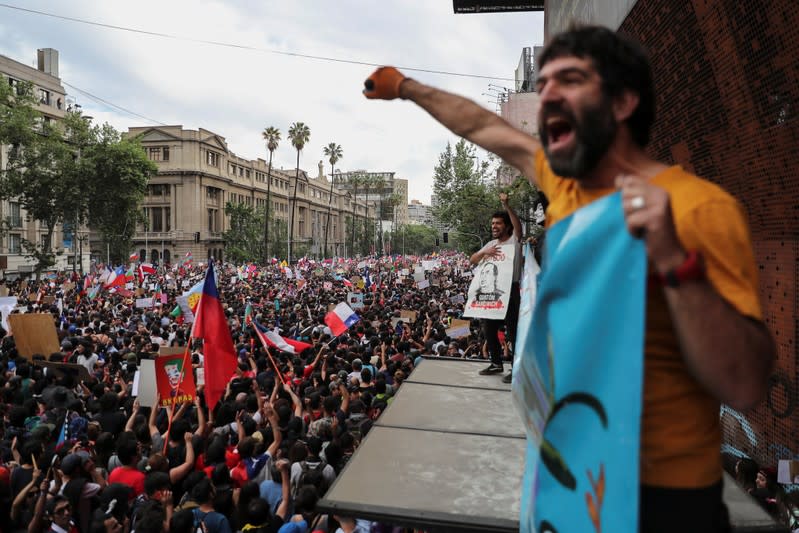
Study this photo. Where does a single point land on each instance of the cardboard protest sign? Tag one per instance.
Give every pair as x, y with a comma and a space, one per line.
355, 300
68, 286
175, 379
78, 372
147, 387
434, 281
34, 333
3, 291
139, 292
7, 304
457, 299
458, 329
489, 291
408, 315
48, 300
429, 265
144, 303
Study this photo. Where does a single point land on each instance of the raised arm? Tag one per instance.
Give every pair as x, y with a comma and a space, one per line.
277, 436
179, 472
460, 115
153, 428
134, 412
514, 218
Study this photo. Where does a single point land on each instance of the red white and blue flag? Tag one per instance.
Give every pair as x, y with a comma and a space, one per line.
219, 354
341, 319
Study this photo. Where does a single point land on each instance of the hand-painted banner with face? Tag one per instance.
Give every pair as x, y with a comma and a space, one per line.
489, 291
579, 376
175, 379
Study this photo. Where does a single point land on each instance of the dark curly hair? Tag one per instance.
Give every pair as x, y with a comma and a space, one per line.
622, 63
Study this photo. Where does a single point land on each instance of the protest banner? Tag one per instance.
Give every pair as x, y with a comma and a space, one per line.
144, 303
7, 304
592, 259
175, 379
147, 387
34, 333
489, 291
355, 300
408, 315
457, 299
458, 329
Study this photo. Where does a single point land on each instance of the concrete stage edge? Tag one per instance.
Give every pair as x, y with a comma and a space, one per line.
448, 455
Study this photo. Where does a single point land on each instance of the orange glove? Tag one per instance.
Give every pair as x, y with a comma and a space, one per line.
383, 84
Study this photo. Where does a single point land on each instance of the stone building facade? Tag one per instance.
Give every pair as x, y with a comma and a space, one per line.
198, 174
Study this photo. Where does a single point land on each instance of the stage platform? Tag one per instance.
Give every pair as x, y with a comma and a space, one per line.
448, 455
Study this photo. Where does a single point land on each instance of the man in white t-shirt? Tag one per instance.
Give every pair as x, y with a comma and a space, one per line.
506, 229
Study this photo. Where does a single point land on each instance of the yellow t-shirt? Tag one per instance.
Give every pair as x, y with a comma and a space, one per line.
680, 432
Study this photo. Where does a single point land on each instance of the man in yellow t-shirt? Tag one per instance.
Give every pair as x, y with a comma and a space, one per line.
705, 339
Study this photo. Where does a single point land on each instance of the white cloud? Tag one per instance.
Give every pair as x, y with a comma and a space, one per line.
236, 92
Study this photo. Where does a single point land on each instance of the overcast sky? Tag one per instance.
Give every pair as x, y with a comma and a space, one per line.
237, 92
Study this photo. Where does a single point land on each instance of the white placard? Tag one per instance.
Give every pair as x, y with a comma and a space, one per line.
429, 265
489, 291
185, 283
147, 387
404, 272
143, 303
200, 377
355, 300
418, 276
425, 283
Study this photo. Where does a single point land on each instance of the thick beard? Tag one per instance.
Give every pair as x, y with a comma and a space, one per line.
593, 134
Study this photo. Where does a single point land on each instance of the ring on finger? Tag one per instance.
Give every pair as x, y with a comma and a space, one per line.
638, 202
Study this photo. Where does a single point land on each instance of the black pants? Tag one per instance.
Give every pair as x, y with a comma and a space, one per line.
491, 327
683, 510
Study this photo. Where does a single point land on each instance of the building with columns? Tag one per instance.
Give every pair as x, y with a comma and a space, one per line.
198, 174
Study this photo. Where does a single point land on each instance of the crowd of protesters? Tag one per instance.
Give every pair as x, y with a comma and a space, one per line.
83, 454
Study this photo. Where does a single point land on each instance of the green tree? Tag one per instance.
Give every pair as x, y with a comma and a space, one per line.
299, 134
413, 239
272, 137
356, 181
67, 172
467, 197
334, 153
118, 170
243, 240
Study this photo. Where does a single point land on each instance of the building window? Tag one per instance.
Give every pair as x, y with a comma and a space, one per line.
15, 219
46, 240
156, 222
14, 244
212, 158
158, 153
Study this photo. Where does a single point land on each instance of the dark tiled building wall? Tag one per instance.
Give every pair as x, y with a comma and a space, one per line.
727, 78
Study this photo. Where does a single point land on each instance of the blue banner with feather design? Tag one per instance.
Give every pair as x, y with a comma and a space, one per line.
579, 376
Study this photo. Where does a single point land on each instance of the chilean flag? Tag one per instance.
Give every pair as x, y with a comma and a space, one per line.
285, 344
341, 319
219, 354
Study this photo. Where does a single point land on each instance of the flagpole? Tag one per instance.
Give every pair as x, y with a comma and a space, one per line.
183, 366
269, 355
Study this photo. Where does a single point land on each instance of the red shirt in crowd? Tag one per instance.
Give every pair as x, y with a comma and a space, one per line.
128, 476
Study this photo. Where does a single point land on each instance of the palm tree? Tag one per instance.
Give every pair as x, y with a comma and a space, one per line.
272, 137
334, 153
355, 181
299, 134
379, 182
